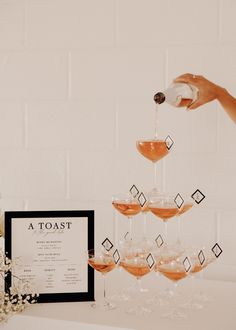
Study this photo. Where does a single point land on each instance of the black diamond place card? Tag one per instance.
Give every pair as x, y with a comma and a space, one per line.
169, 142
150, 260
216, 249
126, 235
142, 199
116, 256
187, 264
201, 257
198, 196
159, 241
179, 201
134, 191
107, 244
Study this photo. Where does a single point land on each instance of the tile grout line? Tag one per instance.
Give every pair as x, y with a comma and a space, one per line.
69, 76
219, 17
67, 175
25, 126
219, 26
25, 34
217, 226
25, 205
116, 126
115, 27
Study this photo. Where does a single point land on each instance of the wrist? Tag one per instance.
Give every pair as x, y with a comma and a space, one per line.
221, 93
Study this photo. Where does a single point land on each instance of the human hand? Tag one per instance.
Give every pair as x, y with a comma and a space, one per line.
207, 90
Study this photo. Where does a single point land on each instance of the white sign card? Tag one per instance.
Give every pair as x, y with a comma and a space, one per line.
48, 249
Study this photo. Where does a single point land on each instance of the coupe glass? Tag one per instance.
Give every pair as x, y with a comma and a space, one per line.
136, 262
123, 294
128, 205
154, 149
164, 254
200, 259
143, 200
103, 262
164, 207
145, 211
175, 269
185, 203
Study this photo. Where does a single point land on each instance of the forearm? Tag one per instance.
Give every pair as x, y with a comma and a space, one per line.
228, 102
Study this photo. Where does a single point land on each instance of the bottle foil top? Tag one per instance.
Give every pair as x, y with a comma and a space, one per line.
159, 98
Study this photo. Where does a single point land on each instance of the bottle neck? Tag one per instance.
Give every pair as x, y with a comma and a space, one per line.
159, 98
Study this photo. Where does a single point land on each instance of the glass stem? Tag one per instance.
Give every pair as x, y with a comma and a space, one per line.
155, 174
175, 291
165, 230
104, 287
179, 229
144, 224
139, 284
192, 284
163, 175
130, 227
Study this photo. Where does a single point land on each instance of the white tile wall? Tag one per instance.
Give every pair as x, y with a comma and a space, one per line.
137, 78
12, 24
149, 23
96, 182
227, 20
93, 74
12, 131
72, 125
33, 74
70, 23
36, 173
211, 61
189, 130
77, 78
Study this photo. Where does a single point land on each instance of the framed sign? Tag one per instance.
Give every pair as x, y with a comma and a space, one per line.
50, 248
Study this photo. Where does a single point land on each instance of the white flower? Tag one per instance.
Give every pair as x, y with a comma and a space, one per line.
13, 299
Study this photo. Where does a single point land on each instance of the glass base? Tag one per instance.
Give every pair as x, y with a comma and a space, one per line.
201, 297
120, 297
138, 310
169, 294
158, 301
133, 290
193, 305
103, 305
175, 314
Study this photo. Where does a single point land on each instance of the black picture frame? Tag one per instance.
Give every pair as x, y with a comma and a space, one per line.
87, 215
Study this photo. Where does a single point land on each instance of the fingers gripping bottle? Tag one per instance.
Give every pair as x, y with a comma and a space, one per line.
178, 95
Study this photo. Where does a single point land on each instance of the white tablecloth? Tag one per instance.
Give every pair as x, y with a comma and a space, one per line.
219, 313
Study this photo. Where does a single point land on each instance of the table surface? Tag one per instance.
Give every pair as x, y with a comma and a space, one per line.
218, 313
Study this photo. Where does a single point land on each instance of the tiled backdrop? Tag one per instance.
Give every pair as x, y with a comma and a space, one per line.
77, 79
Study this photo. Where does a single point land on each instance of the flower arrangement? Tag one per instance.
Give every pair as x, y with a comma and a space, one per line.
13, 299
